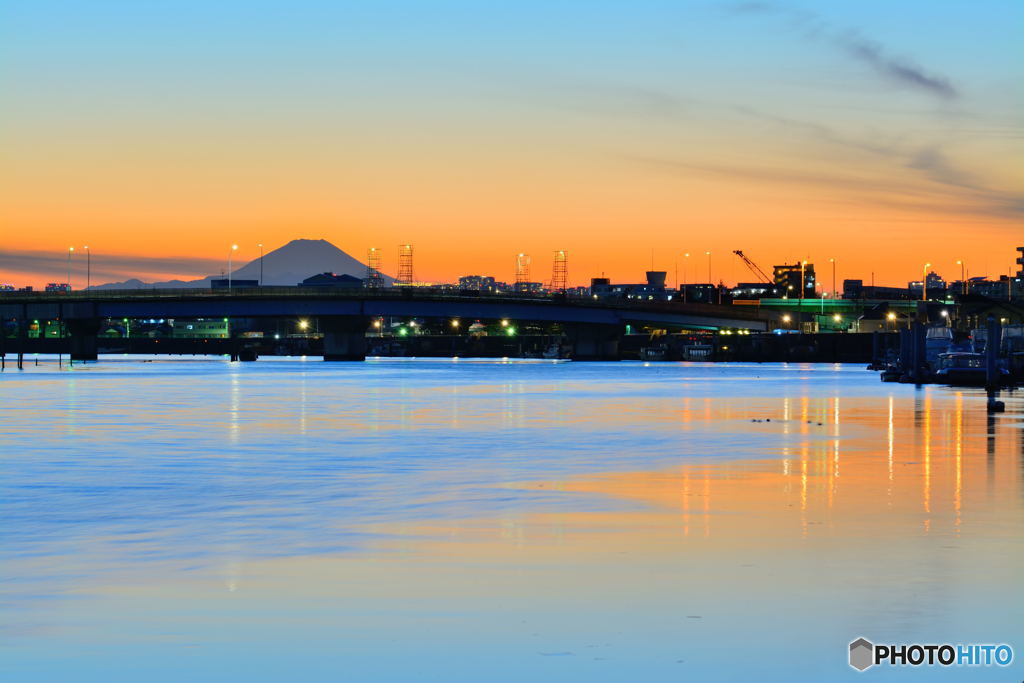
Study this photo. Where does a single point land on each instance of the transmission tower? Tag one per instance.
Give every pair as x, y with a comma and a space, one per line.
374, 279
405, 265
560, 271
522, 272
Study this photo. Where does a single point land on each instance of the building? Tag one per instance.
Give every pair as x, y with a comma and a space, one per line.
791, 278
936, 285
58, 287
699, 294
7, 288
529, 287
753, 290
991, 289
652, 290
332, 280
235, 283
478, 283
855, 289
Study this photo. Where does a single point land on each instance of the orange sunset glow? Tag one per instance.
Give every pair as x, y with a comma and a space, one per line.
881, 153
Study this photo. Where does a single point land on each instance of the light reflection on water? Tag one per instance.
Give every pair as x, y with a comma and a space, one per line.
473, 520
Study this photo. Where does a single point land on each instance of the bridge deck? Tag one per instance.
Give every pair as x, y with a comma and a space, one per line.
414, 302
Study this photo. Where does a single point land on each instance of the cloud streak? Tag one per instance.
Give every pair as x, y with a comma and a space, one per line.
104, 266
862, 49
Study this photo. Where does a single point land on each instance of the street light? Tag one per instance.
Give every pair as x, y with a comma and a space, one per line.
234, 248
708, 254
70, 250
686, 256
924, 282
963, 275
803, 266
88, 267
835, 295
455, 324
260, 245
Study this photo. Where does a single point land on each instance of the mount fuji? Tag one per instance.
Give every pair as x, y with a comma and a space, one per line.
284, 266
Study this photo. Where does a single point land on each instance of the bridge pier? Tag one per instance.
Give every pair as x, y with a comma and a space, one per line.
344, 337
593, 341
82, 335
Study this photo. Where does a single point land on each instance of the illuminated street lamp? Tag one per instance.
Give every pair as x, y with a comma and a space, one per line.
234, 248
803, 284
835, 295
260, 245
963, 275
455, 323
708, 254
924, 282
70, 251
88, 267
686, 258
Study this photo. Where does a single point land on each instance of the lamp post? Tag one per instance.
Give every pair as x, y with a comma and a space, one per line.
70, 251
835, 295
260, 245
803, 266
924, 282
963, 275
686, 258
88, 267
234, 248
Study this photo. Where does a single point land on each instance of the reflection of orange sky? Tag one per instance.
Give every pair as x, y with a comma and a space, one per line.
898, 474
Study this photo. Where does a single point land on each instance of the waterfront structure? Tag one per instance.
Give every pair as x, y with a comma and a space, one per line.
58, 287
200, 328
344, 315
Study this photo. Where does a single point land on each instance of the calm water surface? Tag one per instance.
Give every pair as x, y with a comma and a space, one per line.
459, 520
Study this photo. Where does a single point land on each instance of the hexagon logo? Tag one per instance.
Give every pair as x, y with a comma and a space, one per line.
861, 654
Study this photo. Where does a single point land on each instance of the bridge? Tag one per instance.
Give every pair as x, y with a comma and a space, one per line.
592, 326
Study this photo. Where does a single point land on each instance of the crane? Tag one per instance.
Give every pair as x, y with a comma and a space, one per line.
754, 268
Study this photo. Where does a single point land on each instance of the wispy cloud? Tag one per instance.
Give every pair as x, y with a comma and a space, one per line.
104, 266
908, 194
853, 43
934, 172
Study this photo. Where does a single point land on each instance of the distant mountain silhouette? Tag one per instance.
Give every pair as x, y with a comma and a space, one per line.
285, 266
